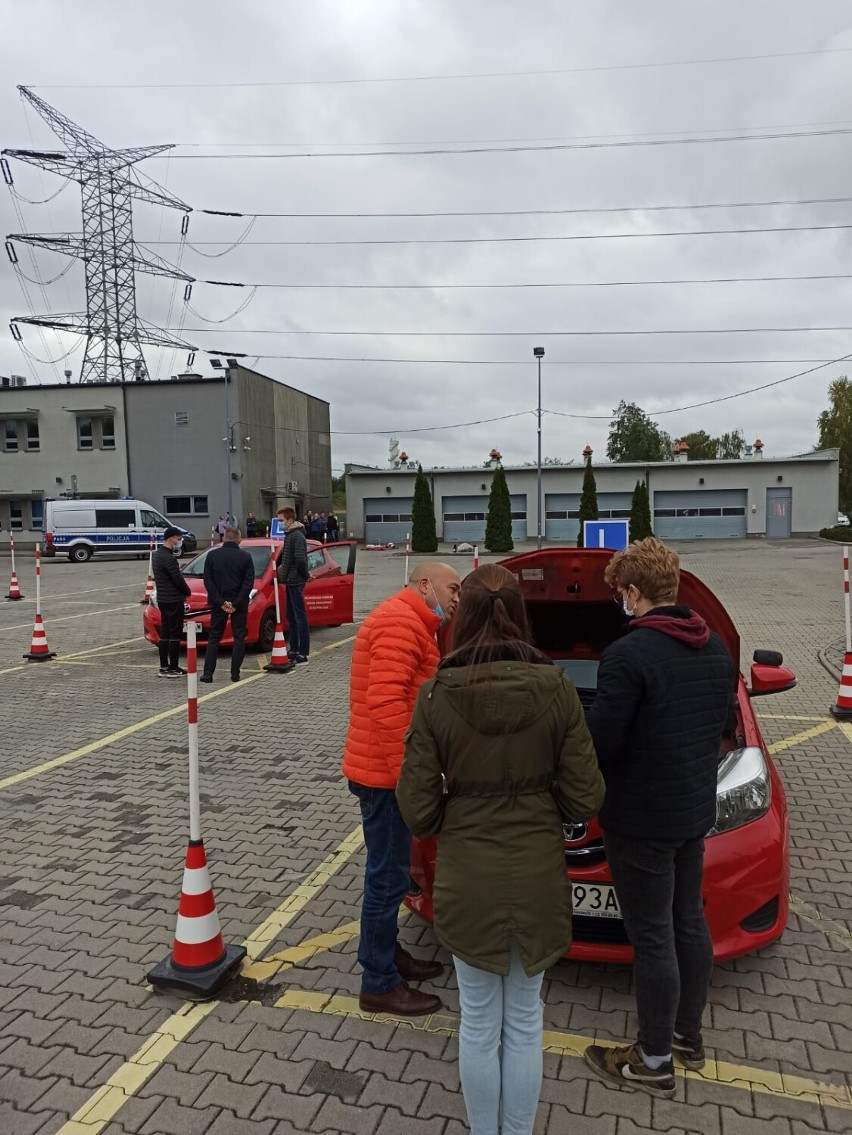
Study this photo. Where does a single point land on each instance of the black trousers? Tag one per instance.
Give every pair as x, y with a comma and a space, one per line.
218, 622
171, 632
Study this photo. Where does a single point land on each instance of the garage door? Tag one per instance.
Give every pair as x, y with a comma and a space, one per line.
464, 518
562, 513
387, 521
711, 514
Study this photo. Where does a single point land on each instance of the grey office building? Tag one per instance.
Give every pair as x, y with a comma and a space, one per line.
193, 447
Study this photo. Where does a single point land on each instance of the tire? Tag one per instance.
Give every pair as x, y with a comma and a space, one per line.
80, 554
266, 632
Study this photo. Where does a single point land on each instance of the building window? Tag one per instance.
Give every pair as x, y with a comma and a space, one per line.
186, 506
10, 435
33, 442
108, 432
37, 514
85, 435
16, 514
181, 417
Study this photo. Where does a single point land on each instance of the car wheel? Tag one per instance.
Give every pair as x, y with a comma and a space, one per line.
266, 632
80, 554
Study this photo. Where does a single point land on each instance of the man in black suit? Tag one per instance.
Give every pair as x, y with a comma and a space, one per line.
228, 579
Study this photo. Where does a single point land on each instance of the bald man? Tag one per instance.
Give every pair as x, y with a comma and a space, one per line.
395, 652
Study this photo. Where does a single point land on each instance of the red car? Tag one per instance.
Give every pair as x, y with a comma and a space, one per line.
328, 595
746, 866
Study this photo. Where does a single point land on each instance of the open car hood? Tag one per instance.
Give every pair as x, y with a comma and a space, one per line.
571, 608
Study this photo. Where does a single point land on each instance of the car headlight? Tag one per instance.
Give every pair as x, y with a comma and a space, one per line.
743, 790
253, 594
152, 600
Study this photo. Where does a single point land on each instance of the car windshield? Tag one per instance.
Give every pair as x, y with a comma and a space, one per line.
259, 553
583, 672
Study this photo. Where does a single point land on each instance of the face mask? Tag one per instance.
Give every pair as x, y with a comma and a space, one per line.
178, 548
626, 609
438, 609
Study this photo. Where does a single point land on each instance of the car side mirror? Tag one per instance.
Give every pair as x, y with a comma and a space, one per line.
768, 676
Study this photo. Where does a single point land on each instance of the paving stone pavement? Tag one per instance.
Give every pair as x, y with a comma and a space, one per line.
93, 856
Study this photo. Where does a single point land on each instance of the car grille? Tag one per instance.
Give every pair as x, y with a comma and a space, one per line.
605, 931
589, 855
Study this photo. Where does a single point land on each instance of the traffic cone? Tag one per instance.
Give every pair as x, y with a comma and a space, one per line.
200, 962
39, 650
149, 590
14, 588
279, 661
842, 709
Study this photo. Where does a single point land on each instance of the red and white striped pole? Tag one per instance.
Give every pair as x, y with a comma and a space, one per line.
475, 556
842, 709
407, 555
39, 650
200, 962
14, 586
149, 585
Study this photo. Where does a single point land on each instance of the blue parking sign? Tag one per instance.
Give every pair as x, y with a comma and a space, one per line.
276, 529
611, 534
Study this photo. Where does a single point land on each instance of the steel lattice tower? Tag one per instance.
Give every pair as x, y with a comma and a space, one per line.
113, 329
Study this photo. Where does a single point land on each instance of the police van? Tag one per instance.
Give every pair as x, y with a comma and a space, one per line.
79, 528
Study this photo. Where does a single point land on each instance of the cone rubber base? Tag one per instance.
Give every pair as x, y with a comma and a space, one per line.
200, 984
840, 714
277, 668
14, 597
29, 657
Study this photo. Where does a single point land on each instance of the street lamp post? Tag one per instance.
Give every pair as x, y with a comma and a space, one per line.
538, 353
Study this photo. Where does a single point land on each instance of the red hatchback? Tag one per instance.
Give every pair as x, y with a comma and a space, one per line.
746, 866
328, 595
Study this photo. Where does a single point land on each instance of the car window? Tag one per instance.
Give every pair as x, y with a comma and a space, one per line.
259, 555
151, 519
115, 517
341, 554
583, 672
315, 560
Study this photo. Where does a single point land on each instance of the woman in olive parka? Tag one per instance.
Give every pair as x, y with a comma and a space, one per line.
497, 758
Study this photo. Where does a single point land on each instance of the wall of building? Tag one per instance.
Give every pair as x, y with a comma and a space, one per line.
813, 479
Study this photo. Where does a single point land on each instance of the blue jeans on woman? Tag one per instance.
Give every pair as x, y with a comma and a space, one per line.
388, 843
500, 1059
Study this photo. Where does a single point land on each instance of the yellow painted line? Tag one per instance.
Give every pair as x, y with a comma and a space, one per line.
797, 738
846, 729
269, 930
295, 955
829, 926
77, 654
129, 730
572, 1045
50, 620
102, 1107
786, 717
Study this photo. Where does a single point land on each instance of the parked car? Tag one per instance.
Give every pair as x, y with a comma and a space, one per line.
746, 873
78, 528
842, 518
328, 595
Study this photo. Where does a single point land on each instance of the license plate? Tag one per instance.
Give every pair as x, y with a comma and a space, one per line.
595, 900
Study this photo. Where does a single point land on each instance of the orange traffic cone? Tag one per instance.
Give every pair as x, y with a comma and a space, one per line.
279, 661
842, 709
14, 587
39, 650
200, 962
149, 590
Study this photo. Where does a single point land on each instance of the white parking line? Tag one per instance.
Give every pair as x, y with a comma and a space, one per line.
66, 618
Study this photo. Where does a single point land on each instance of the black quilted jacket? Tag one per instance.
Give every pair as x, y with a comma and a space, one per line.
665, 694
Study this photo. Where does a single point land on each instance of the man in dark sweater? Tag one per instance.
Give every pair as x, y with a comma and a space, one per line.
172, 591
293, 573
228, 579
664, 696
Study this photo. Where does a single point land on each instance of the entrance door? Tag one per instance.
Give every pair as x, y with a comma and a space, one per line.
779, 514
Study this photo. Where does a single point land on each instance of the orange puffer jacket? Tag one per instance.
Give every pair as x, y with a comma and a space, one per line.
395, 652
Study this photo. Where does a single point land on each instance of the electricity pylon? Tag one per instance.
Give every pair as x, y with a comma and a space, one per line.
114, 331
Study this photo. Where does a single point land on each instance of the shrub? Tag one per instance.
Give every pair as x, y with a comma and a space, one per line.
498, 519
424, 538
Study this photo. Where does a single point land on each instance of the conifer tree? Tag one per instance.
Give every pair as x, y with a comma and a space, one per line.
640, 513
498, 519
424, 538
589, 500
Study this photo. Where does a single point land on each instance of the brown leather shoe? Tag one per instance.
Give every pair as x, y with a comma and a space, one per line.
415, 969
400, 1002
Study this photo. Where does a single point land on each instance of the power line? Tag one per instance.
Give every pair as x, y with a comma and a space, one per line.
575, 284
541, 212
522, 362
513, 239
523, 334
456, 76
432, 151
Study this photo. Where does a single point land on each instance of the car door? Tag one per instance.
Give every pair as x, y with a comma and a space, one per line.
329, 596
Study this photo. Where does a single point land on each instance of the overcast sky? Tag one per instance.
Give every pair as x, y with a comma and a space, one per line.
611, 87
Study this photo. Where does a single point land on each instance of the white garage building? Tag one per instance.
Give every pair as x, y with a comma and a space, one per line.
690, 500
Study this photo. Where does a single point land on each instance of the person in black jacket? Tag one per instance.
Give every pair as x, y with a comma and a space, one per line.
229, 579
172, 591
293, 573
664, 697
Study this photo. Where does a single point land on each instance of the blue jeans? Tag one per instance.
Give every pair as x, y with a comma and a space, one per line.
388, 843
500, 1060
297, 621
659, 891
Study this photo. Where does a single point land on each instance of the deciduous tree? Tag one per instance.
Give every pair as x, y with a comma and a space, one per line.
633, 436
835, 432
